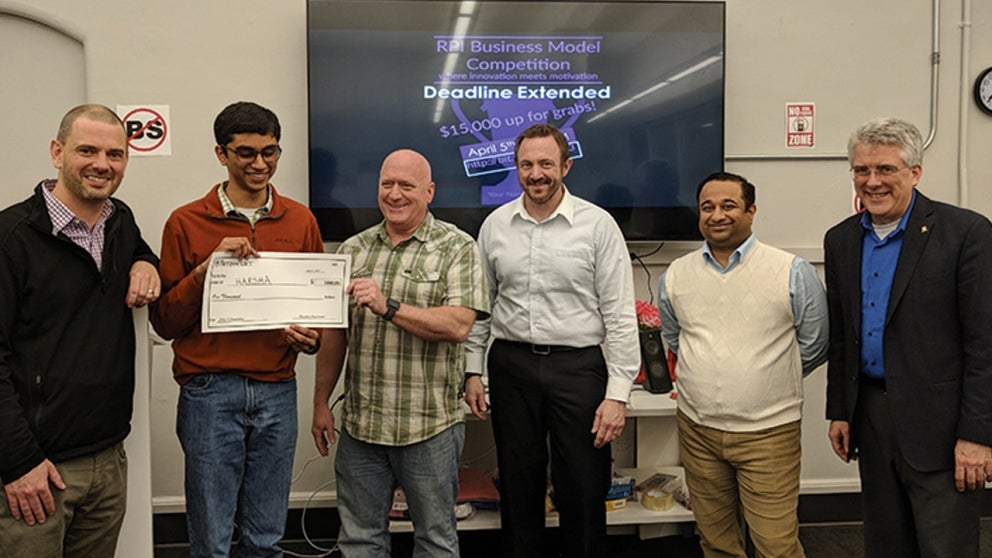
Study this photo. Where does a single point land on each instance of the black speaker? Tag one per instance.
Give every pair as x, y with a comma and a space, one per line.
656, 378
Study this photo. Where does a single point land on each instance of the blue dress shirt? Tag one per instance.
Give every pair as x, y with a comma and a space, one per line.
879, 257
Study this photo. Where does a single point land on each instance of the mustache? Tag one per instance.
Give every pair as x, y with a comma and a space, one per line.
534, 182
97, 172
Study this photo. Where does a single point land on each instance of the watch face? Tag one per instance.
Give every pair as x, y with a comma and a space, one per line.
983, 91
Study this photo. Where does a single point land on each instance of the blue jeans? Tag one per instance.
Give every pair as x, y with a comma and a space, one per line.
239, 437
428, 473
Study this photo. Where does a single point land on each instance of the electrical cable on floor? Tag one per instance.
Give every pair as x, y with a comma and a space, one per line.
303, 527
309, 461
303, 515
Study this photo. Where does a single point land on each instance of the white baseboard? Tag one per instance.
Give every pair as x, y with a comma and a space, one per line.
297, 500
829, 486
328, 498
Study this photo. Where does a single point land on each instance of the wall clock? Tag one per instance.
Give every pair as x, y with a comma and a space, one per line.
983, 91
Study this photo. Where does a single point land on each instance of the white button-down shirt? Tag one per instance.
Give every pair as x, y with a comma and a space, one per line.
564, 281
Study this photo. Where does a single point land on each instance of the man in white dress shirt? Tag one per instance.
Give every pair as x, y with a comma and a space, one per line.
564, 353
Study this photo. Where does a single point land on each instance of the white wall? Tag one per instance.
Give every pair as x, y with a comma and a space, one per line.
852, 60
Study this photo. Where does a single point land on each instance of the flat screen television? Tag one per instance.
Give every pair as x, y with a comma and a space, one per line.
637, 87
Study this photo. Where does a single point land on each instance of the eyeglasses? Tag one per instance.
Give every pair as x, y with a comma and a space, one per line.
247, 154
862, 171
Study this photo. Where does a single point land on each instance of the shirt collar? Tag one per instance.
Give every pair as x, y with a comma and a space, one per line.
229, 207
735, 257
866, 218
61, 216
421, 233
566, 208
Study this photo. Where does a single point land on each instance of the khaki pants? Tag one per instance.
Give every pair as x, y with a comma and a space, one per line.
88, 513
749, 474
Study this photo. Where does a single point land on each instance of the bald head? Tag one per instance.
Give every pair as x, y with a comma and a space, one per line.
413, 162
97, 113
405, 191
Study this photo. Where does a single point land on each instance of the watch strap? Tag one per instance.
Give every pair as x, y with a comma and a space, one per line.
391, 307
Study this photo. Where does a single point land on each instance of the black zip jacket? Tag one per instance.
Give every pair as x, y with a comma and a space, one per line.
66, 338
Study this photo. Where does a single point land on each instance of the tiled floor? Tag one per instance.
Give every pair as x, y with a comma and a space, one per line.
819, 541
836, 541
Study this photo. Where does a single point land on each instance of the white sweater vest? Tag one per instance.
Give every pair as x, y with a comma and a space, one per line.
739, 367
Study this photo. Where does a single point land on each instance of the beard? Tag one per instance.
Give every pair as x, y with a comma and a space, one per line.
76, 185
551, 189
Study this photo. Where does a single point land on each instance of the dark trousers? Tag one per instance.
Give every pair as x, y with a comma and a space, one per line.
908, 513
534, 395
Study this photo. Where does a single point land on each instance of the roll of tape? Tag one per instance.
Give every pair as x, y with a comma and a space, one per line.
657, 500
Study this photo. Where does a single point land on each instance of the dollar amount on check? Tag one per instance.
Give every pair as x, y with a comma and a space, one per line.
274, 290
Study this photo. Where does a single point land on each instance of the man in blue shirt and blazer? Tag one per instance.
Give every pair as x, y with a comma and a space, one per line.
909, 392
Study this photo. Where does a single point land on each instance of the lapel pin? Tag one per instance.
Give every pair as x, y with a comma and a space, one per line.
924, 229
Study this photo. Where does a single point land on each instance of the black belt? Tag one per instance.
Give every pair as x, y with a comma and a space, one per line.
869, 381
542, 350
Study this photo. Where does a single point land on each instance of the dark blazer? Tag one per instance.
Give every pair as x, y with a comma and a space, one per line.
938, 331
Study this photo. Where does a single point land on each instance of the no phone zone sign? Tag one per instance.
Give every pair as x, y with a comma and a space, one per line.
799, 118
147, 128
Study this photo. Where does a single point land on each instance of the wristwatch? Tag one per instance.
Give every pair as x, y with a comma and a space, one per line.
391, 307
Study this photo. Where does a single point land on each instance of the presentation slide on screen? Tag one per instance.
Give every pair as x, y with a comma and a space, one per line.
637, 89
514, 94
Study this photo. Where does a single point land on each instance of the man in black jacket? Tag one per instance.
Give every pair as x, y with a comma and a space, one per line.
910, 357
72, 265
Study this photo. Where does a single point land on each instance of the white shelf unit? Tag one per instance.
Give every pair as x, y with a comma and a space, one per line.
633, 514
641, 404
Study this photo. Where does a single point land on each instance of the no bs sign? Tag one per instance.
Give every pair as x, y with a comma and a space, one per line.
147, 128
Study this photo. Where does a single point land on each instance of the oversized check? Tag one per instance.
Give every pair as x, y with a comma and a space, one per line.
274, 290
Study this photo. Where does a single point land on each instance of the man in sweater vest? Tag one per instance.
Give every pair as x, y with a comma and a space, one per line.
748, 322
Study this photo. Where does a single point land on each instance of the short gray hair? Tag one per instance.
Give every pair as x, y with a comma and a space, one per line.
889, 131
